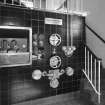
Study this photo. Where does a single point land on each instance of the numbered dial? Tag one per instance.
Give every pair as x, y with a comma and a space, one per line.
55, 61
55, 39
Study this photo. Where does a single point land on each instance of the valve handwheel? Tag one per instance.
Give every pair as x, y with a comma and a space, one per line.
55, 61
55, 39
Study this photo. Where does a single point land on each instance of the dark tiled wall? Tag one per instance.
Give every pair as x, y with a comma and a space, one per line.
17, 84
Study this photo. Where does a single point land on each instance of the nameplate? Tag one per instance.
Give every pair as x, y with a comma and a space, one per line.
53, 21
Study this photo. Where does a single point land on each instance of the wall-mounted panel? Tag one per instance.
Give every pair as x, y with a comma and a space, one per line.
18, 84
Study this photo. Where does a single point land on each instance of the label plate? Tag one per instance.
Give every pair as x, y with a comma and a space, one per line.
53, 21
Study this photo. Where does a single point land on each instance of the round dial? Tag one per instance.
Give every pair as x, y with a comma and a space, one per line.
55, 61
55, 39
54, 83
69, 71
36, 74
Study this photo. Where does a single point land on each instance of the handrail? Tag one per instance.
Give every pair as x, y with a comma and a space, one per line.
95, 33
92, 70
91, 52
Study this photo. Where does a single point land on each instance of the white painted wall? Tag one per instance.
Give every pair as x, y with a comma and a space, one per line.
53, 4
96, 20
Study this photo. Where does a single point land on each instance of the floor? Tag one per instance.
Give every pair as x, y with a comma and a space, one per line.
83, 97
66, 99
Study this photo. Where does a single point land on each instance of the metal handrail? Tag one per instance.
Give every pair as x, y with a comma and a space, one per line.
92, 69
95, 33
91, 51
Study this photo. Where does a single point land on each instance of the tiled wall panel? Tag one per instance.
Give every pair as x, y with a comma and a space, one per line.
17, 84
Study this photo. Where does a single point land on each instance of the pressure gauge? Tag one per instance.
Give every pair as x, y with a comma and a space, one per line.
69, 71
55, 61
37, 74
54, 83
55, 39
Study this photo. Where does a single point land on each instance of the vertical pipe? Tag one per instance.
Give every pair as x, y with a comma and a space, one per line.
71, 31
46, 5
70, 5
20, 2
88, 65
33, 4
91, 69
85, 59
95, 73
81, 5
99, 63
12, 2
4, 1
77, 5
68, 24
40, 4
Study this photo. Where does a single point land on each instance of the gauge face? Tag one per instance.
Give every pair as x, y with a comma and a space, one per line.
54, 83
36, 74
69, 71
55, 39
55, 61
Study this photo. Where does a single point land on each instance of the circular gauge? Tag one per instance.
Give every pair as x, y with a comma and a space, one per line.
54, 83
55, 39
36, 74
69, 71
55, 61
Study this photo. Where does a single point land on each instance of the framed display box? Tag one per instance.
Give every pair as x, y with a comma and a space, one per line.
15, 46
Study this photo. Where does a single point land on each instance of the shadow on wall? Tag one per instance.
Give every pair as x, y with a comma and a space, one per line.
96, 45
96, 20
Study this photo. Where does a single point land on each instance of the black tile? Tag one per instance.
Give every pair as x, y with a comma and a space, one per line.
34, 30
1, 1
41, 15
35, 14
1, 20
20, 22
41, 30
20, 14
9, 1
27, 14
41, 24
50, 15
27, 23
67, 84
4, 98
28, 77
59, 91
4, 11
67, 90
15, 12
52, 92
34, 23
12, 12
0, 10
47, 28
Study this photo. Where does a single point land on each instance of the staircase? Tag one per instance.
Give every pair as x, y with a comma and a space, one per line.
94, 81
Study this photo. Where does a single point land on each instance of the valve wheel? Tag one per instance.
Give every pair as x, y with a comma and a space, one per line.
55, 61
55, 40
